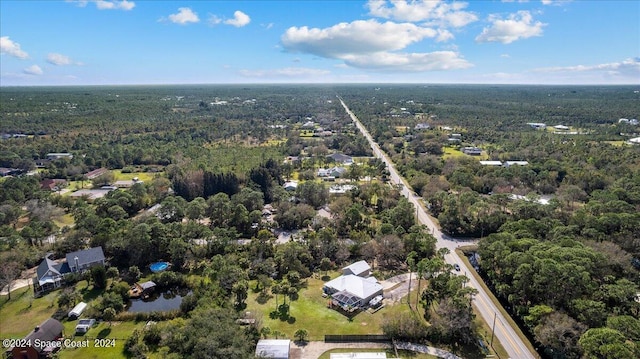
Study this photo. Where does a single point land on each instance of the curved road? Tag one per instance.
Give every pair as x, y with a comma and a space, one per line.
514, 346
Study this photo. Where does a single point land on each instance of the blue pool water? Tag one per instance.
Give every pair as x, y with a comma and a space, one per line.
158, 266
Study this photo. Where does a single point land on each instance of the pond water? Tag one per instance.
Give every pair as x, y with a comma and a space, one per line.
157, 302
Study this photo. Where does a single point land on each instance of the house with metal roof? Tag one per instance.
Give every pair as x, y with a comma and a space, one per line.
41, 342
351, 291
360, 268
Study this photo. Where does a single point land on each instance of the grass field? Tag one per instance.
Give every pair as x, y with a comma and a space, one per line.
23, 312
142, 176
310, 312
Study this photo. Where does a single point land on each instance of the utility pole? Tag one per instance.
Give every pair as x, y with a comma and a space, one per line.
493, 330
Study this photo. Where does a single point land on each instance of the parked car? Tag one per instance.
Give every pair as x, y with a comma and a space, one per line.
457, 267
84, 325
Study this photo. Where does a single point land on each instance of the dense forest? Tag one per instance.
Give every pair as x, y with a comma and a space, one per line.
559, 235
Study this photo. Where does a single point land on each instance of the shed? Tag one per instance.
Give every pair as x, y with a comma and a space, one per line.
77, 310
273, 348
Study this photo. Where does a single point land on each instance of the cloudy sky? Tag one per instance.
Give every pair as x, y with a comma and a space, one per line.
178, 42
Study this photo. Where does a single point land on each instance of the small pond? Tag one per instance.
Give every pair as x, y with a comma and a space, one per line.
157, 302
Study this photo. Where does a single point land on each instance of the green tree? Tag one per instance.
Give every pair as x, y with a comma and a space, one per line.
99, 277
301, 335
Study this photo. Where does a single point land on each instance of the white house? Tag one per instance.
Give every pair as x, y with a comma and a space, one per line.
352, 291
516, 163
290, 185
273, 348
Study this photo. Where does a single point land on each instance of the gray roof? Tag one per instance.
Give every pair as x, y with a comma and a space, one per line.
47, 331
340, 157
147, 285
47, 265
85, 256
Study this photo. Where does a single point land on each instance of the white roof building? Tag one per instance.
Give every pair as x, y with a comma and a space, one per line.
273, 348
360, 268
352, 290
491, 163
516, 163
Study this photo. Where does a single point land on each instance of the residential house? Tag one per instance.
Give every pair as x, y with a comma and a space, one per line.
351, 291
49, 275
422, 126
58, 155
360, 268
273, 348
561, 127
82, 260
341, 158
472, 151
91, 194
355, 288
41, 342
491, 163
53, 184
290, 185
96, 173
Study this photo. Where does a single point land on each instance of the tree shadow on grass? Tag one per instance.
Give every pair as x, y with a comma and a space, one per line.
104, 333
325, 278
90, 294
291, 320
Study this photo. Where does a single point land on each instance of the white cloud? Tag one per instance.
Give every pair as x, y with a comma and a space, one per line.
60, 60
285, 72
434, 12
268, 26
240, 19
373, 45
517, 26
506, 56
629, 66
106, 4
115, 5
184, 16
9, 47
411, 62
33, 70
357, 37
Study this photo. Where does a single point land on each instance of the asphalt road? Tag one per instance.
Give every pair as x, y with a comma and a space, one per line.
514, 346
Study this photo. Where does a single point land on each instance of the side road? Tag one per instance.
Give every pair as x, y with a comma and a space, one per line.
313, 350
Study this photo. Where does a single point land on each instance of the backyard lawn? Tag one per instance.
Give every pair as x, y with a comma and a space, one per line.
310, 312
23, 312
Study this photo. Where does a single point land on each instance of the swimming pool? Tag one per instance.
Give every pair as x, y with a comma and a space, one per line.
159, 266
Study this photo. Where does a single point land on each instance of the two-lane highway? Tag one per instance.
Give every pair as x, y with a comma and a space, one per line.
511, 342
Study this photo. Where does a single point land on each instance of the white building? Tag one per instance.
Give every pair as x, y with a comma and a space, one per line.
273, 348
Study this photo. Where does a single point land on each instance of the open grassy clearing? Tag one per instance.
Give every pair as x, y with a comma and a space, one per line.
118, 332
142, 176
310, 312
23, 312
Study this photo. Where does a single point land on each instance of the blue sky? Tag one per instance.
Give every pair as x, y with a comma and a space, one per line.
376, 41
